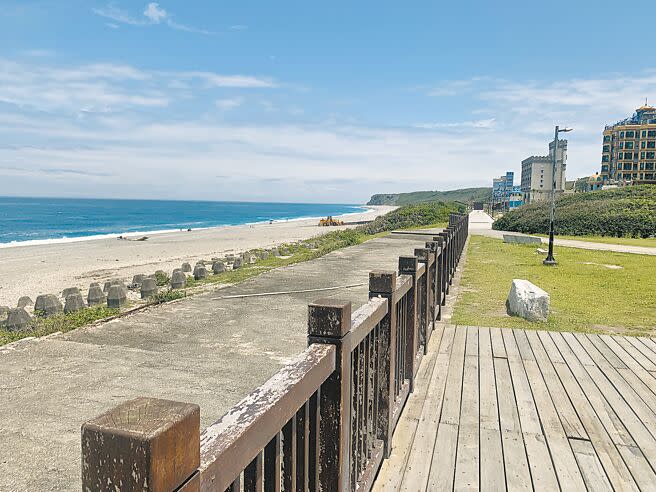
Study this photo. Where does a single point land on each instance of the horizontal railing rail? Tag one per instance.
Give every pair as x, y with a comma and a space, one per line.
324, 422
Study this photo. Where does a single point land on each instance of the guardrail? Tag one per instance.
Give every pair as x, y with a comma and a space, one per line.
323, 422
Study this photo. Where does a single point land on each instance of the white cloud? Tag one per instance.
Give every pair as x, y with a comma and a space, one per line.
230, 103
155, 13
488, 123
104, 87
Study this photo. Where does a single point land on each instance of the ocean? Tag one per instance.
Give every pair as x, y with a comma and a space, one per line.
38, 220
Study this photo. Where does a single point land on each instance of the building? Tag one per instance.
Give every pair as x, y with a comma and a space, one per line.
505, 195
537, 173
628, 154
588, 183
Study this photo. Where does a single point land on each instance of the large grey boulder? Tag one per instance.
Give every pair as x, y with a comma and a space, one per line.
218, 267
74, 302
200, 272
148, 287
96, 296
275, 252
47, 305
236, 263
18, 320
25, 301
178, 279
71, 290
527, 301
116, 297
516, 239
186, 267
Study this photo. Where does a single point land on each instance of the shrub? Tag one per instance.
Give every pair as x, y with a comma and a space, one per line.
622, 212
166, 296
417, 215
161, 279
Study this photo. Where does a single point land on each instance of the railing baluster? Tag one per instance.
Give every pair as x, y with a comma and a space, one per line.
272, 465
313, 450
289, 456
408, 265
254, 474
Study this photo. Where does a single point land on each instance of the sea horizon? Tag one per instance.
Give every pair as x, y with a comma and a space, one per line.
43, 220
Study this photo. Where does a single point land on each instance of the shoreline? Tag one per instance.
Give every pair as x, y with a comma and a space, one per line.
48, 268
115, 235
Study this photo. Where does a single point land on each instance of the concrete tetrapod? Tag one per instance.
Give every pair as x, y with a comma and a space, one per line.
116, 297
47, 305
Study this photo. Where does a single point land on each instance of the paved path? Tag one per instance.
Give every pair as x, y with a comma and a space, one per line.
481, 224
497, 409
199, 350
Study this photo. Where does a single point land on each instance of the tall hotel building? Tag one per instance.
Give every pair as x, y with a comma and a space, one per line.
629, 149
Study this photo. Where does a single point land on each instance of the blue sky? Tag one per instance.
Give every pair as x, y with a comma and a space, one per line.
306, 101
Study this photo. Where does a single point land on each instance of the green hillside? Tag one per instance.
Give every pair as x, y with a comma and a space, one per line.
620, 212
465, 195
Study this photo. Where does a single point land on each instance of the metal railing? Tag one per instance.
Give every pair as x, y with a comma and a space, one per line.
323, 422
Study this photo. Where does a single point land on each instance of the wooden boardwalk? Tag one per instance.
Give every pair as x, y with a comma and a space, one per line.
497, 409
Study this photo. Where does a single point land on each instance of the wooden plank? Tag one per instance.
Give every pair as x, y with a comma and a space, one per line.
518, 476
645, 376
498, 348
564, 462
491, 450
591, 468
467, 464
643, 349
608, 354
635, 353
617, 399
635, 402
421, 455
524, 347
443, 464
539, 460
396, 467
631, 457
649, 342
570, 421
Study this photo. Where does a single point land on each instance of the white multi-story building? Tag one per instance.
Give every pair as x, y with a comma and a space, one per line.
537, 173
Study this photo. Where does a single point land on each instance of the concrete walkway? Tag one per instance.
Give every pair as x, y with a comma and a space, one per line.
480, 224
200, 350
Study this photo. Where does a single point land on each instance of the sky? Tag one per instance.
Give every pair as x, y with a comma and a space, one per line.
306, 101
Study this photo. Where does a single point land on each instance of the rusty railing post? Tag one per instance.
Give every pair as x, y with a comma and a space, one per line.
408, 266
329, 321
143, 444
383, 284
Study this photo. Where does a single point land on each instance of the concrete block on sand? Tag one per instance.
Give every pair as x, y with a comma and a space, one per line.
69, 291
186, 267
96, 296
47, 305
237, 263
25, 301
178, 279
200, 272
148, 287
218, 267
116, 297
137, 279
513, 239
74, 302
527, 301
18, 320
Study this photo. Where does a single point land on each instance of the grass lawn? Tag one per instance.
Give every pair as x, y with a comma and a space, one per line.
630, 241
586, 295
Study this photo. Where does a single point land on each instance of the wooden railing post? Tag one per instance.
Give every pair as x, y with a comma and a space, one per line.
437, 300
423, 256
329, 321
143, 444
408, 266
383, 284
445, 260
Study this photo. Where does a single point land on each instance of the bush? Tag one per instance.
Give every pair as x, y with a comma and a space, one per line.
161, 279
166, 296
622, 212
417, 215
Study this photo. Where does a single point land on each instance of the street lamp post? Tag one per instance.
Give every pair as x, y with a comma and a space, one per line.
550, 260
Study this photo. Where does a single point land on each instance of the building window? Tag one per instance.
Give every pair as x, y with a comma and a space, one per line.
621, 145
651, 144
651, 133
644, 133
627, 166
604, 158
630, 134
649, 166
650, 155
628, 145
621, 134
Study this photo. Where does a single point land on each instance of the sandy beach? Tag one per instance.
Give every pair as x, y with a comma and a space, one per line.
49, 268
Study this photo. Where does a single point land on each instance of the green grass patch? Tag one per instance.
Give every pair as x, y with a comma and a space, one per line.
167, 296
626, 241
60, 322
588, 293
